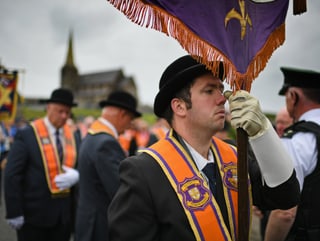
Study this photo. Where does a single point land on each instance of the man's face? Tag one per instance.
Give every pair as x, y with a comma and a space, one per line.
125, 120
207, 99
58, 114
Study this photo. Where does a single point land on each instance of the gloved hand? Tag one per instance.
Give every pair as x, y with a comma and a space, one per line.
246, 113
16, 223
275, 163
67, 179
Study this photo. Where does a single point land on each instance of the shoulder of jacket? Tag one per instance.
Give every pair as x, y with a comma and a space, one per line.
302, 126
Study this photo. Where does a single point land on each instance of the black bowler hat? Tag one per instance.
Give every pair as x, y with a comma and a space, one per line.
61, 96
301, 78
121, 99
177, 75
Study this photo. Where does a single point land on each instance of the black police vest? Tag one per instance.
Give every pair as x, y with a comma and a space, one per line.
307, 221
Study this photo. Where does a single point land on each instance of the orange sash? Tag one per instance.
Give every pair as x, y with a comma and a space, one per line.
142, 139
49, 153
199, 204
98, 127
125, 139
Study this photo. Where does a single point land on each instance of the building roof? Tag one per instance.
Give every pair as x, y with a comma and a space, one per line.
101, 77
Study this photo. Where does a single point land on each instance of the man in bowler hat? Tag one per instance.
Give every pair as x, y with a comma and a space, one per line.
40, 174
301, 89
99, 159
184, 187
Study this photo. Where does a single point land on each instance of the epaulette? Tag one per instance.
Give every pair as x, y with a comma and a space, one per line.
302, 126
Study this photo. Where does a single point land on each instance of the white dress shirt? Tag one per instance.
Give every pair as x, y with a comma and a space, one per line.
52, 132
303, 148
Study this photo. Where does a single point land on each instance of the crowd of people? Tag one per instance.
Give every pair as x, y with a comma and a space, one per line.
117, 178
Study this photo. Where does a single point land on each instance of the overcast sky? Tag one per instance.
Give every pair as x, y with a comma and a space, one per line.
34, 36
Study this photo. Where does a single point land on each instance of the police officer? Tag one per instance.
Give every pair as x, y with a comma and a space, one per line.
302, 92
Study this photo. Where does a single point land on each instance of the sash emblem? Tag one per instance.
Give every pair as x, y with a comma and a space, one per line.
195, 194
230, 178
45, 140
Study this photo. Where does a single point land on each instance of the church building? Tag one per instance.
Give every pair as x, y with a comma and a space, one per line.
90, 88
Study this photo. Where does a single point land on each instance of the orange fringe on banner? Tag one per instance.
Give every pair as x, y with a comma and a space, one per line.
156, 18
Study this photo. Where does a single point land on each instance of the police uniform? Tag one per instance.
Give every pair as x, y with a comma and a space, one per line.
303, 148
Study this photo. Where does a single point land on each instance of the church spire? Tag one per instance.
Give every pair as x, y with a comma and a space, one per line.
69, 72
69, 60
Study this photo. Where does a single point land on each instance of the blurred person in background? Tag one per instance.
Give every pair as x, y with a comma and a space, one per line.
99, 159
225, 133
160, 128
84, 125
40, 174
137, 137
282, 121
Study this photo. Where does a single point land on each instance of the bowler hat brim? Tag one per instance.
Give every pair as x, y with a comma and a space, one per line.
59, 101
61, 96
104, 103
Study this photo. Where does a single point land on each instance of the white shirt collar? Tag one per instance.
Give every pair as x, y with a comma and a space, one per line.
200, 161
311, 115
51, 128
108, 123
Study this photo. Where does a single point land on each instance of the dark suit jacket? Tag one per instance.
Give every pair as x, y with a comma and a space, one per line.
146, 208
26, 189
99, 161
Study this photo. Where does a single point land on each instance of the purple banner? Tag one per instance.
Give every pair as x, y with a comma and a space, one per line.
242, 33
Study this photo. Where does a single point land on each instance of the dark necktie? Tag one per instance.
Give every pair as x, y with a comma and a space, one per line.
209, 170
59, 145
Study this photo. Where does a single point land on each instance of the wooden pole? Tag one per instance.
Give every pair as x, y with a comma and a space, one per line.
243, 193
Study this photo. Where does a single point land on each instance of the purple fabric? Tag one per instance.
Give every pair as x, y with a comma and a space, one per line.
206, 18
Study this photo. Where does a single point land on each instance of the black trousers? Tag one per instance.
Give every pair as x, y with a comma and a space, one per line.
60, 232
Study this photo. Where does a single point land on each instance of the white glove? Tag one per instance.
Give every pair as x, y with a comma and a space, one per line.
67, 179
246, 113
275, 163
16, 223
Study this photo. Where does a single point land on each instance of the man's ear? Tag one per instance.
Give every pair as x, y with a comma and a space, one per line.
178, 106
295, 96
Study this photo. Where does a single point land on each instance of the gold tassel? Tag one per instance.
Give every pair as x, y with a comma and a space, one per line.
299, 6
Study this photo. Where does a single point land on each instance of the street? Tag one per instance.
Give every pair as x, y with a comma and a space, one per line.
6, 233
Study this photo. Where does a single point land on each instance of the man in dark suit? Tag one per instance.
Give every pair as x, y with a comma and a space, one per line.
99, 159
40, 174
184, 187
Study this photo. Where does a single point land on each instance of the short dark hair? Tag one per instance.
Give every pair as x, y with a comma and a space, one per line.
312, 94
183, 94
